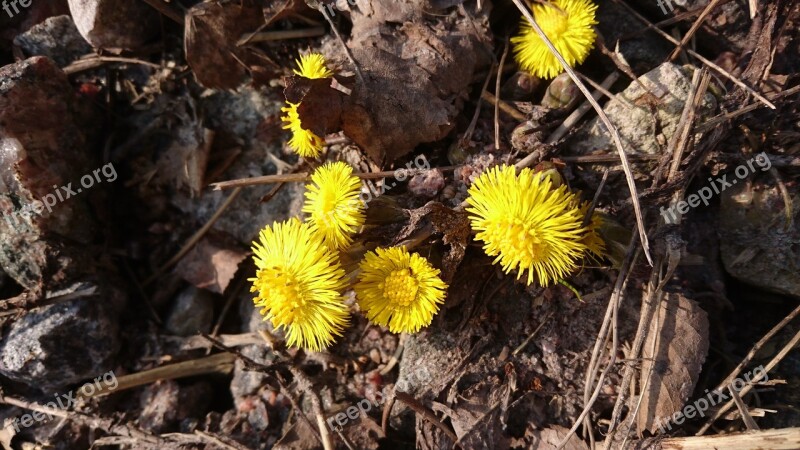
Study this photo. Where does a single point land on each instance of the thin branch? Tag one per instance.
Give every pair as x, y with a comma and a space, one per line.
344, 44
279, 35
504, 106
609, 326
497, 95
780, 439
305, 176
695, 26
576, 115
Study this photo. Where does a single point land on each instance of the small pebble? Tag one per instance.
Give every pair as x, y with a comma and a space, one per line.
427, 184
375, 355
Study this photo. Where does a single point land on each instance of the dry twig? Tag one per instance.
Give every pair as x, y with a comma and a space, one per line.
782, 439
499, 79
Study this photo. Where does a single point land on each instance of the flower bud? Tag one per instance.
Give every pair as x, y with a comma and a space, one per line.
561, 92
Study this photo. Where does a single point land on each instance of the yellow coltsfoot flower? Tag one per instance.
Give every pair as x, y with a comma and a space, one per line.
526, 224
399, 289
298, 282
568, 25
304, 142
333, 204
592, 240
312, 66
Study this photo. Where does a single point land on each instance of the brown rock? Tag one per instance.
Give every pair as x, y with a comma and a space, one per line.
41, 151
115, 24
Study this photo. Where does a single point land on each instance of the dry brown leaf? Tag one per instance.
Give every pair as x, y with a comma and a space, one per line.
396, 109
299, 437
364, 433
416, 76
212, 31
478, 415
320, 107
454, 225
184, 162
211, 264
549, 438
673, 354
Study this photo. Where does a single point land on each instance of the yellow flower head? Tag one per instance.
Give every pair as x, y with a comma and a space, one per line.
304, 142
312, 66
332, 201
568, 25
591, 239
526, 223
399, 289
298, 283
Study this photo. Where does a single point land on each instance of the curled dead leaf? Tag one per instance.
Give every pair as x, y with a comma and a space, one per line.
212, 263
674, 351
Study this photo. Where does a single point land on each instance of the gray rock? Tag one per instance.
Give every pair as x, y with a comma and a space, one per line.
756, 246
247, 382
642, 129
115, 24
62, 344
57, 38
192, 313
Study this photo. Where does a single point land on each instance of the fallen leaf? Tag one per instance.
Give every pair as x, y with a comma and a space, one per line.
416, 76
550, 438
212, 31
184, 162
674, 350
212, 263
320, 107
477, 416
299, 437
454, 225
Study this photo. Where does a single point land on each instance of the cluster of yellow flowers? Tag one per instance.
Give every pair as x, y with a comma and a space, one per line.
300, 281
568, 24
530, 225
525, 221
